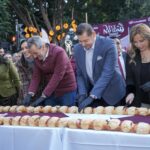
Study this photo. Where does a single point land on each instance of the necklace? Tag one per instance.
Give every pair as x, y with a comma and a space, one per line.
145, 58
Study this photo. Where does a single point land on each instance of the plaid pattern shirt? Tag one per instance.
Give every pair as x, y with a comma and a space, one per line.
25, 73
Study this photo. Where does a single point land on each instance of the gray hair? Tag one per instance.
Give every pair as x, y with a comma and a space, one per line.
35, 40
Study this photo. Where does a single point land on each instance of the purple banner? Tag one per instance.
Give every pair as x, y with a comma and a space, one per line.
115, 29
119, 29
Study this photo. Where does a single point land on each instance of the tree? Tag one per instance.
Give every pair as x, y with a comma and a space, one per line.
49, 13
5, 21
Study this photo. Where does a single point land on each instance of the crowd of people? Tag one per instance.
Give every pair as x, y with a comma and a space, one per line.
100, 72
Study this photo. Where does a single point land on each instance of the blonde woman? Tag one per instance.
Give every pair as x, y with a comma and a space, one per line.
138, 67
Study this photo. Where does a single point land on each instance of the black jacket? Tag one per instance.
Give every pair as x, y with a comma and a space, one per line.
133, 78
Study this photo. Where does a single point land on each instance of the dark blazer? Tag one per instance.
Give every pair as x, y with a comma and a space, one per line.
133, 79
56, 70
108, 83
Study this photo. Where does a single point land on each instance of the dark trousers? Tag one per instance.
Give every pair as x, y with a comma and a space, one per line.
68, 99
8, 101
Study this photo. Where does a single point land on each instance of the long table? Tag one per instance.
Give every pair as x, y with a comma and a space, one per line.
44, 138
30, 138
104, 140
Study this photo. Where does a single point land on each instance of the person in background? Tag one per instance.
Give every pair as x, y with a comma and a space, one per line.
138, 67
9, 82
98, 76
53, 65
2, 52
121, 58
16, 57
25, 68
72, 60
8, 56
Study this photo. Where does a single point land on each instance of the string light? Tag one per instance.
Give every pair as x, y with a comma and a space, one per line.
58, 32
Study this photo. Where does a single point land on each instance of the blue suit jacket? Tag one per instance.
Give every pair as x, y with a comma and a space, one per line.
108, 83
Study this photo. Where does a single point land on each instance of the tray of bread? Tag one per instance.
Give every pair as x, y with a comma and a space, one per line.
110, 110
136, 120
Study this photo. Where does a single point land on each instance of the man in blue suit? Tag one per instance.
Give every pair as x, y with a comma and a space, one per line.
98, 76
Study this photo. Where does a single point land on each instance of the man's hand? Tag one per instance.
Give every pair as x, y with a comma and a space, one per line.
85, 103
81, 98
38, 101
27, 100
146, 87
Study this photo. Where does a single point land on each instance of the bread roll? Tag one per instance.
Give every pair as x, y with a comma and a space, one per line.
142, 111
38, 109
73, 110
54, 109
6, 108
131, 111
73, 123
120, 110
88, 110
114, 125
7, 121
43, 121
109, 110
86, 123
63, 109
127, 126
57, 106
30, 109
1, 120
142, 128
149, 112
52, 122
24, 120
13, 108
99, 124
1, 108
21, 109
47, 109
16, 121
34, 120
62, 122
98, 110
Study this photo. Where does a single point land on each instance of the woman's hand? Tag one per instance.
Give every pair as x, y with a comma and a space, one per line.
130, 98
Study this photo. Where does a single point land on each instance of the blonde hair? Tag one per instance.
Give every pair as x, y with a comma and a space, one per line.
144, 31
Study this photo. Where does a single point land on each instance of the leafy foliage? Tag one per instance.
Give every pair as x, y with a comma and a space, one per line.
49, 13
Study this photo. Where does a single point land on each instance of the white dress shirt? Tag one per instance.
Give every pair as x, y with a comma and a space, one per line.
122, 64
46, 55
88, 61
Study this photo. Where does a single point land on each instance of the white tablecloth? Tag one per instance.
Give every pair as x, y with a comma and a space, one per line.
30, 138
76, 139
95, 116
44, 138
